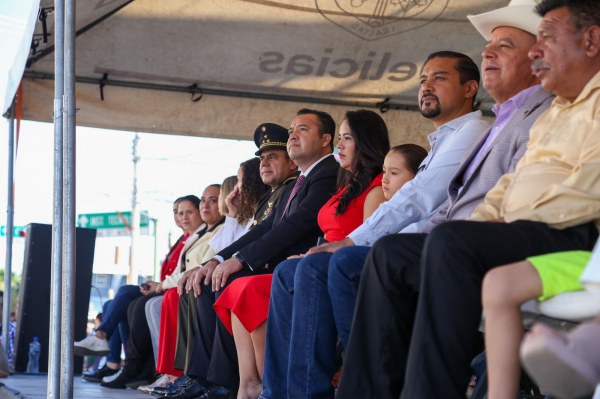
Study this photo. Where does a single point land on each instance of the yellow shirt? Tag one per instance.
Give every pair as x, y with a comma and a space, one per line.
558, 179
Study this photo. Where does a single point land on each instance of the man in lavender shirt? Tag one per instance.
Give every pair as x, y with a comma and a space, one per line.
377, 347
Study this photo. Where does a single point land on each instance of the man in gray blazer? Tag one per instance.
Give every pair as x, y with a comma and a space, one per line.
377, 348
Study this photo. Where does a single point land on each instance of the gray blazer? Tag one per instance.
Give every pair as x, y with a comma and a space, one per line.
501, 158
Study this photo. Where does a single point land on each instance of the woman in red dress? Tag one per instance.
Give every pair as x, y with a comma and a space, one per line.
243, 306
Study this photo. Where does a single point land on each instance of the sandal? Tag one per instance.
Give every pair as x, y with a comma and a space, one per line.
566, 366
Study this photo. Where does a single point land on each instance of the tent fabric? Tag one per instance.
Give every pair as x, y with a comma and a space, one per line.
213, 116
17, 22
141, 64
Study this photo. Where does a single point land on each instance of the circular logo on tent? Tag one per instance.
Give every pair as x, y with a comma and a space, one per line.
376, 19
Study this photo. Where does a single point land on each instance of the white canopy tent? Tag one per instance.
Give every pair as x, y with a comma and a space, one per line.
17, 22
219, 68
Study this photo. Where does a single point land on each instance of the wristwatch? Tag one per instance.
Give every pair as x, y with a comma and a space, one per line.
241, 259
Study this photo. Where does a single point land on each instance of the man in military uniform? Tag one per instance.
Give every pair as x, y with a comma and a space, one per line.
276, 171
291, 228
276, 167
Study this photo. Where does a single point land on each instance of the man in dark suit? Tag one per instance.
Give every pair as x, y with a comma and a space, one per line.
290, 230
377, 350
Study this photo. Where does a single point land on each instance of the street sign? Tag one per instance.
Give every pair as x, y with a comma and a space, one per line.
17, 230
112, 224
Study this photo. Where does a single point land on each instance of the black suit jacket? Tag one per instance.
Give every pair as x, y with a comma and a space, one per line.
276, 238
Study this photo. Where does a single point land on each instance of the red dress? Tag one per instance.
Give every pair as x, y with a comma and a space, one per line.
170, 300
170, 262
167, 343
248, 297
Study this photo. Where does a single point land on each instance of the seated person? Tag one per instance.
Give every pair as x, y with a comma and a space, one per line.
449, 85
505, 289
153, 306
550, 203
248, 323
114, 321
228, 203
291, 228
199, 218
251, 189
241, 204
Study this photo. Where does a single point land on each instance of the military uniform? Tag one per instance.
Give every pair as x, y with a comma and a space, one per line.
268, 136
269, 200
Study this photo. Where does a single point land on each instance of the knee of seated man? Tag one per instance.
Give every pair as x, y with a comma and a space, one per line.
386, 242
448, 236
313, 266
283, 276
343, 257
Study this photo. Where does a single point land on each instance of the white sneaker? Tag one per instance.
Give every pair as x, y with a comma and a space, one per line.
164, 381
91, 345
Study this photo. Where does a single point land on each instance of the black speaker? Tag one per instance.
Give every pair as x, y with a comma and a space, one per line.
33, 318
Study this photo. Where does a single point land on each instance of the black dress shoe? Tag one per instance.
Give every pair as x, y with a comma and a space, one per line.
118, 380
192, 390
97, 375
173, 388
218, 392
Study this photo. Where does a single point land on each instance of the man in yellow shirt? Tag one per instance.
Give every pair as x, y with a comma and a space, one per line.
550, 203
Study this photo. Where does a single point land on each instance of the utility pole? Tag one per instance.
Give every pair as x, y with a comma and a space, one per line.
132, 277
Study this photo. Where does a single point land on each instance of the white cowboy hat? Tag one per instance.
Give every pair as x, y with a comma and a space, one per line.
517, 14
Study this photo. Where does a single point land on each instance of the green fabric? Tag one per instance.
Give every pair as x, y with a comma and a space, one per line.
560, 271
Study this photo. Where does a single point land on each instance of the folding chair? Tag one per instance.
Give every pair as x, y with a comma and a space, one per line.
562, 312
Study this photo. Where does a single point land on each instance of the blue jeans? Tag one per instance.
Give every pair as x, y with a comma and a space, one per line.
114, 319
300, 357
345, 268
114, 341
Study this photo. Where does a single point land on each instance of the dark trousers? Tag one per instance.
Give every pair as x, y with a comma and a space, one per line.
187, 330
375, 358
455, 258
140, 356
214, 358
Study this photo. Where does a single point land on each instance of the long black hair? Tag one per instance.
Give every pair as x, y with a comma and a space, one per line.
252, 188
372, 143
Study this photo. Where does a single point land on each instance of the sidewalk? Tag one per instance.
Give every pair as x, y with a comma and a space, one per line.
26, 386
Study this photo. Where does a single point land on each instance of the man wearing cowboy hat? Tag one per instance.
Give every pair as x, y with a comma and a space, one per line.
550, 203
507, 76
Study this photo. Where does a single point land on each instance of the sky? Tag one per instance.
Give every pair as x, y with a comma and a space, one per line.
169, 166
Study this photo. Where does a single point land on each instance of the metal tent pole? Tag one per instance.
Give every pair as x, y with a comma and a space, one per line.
9, 226
54, 352
68, 266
